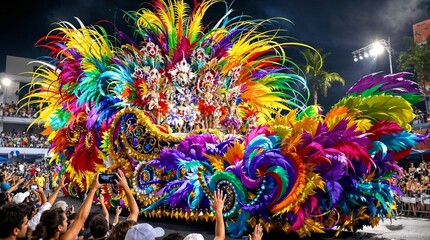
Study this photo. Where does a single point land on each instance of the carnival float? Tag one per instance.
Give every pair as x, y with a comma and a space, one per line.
184, 108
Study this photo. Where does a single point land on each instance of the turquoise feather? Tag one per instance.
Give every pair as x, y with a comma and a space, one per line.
60, 119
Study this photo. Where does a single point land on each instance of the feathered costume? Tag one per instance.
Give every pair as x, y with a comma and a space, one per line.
135, 105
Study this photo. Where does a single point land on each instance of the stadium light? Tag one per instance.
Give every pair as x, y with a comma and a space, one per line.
6, 81
375, 49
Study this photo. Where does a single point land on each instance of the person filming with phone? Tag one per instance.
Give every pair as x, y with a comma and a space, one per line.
120, 229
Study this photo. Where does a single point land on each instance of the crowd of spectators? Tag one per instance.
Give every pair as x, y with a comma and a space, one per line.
28, 213
23, 140
415, 185
420, 117
14, 110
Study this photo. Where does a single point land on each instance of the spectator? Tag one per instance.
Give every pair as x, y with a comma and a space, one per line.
99, 224
175, 236
194, 236
85, 232
71, 218
20, 197
40, 179
53, 224
4, 185
46, 204
144, 231
5, 197
61, 204
21, 169
411, 169
99, 227
120, 230
13, 220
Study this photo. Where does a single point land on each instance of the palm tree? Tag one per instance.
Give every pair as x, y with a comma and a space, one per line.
321, 80
416, 59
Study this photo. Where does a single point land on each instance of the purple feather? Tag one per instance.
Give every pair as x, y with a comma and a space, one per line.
125, 39
335, 190
264, 201
393, 84
236, 169
261, 74
221, 47
179, 195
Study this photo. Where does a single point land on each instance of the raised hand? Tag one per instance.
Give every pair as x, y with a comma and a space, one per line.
257, 234
121, 179
118, 210
218, 202
95, 184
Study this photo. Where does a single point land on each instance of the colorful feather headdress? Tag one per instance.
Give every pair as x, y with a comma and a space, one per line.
185, 109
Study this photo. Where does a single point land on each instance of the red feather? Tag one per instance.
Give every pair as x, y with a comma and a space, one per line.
355, 151
382, 128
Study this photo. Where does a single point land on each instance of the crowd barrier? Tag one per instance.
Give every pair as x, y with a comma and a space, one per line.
419, 205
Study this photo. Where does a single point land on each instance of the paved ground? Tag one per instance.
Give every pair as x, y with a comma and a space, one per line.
398, 229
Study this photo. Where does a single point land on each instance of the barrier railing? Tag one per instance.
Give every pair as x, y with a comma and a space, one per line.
415, 206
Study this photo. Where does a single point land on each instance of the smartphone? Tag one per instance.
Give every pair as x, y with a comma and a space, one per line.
245, 238
107, 178
34, 187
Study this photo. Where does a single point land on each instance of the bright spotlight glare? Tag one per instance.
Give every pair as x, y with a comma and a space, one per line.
355, 59
366, 55
360, 57
6, 81
377, 48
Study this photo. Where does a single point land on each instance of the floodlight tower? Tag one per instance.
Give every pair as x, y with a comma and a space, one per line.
374, 49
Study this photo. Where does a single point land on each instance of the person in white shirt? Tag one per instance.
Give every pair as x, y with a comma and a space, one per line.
47, 204
21, 169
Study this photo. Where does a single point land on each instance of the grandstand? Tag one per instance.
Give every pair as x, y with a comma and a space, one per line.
18, 142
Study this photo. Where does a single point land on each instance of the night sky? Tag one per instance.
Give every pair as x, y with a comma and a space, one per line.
337, 26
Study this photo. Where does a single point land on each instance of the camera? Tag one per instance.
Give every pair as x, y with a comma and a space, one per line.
34, 187
107, 178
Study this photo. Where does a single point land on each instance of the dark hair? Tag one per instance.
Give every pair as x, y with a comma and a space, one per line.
173, 236
88, 220
12, 216
49, 222
98, 226
32, 208
4, 198
120, 230
71, 216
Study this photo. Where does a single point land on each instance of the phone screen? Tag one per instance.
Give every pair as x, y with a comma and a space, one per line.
34, 187
107, 178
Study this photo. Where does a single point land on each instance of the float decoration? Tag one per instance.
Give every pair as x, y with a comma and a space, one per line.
187, 108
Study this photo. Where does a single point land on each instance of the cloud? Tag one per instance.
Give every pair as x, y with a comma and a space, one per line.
399, 14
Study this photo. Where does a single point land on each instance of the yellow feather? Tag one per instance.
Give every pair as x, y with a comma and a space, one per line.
195, 25
310, 227
313, 181
87, 41
217, 162
234, 153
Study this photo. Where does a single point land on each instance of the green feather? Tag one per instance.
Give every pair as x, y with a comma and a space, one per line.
60, 119
283, 174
